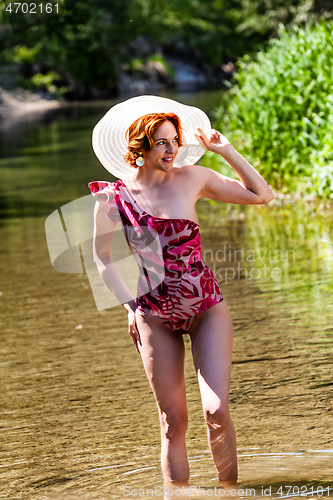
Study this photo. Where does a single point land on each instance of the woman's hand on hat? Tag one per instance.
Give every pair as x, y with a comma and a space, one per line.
216, 143
132, 329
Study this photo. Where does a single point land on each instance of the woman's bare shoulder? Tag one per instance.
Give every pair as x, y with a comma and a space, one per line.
194, 170
194, 174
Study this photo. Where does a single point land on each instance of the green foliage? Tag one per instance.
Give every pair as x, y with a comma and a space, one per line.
22, 55
158, 58
48, 82
89, 44
140, 65
280, 111
82, 46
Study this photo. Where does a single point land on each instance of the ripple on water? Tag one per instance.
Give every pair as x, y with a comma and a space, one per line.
298, 474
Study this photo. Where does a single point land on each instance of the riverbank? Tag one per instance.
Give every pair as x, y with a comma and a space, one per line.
20, 101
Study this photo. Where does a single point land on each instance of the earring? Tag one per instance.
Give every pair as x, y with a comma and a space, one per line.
140, 160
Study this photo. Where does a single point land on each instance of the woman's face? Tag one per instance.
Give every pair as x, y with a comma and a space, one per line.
165, 148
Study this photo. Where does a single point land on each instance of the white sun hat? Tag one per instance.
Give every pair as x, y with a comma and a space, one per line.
109, 139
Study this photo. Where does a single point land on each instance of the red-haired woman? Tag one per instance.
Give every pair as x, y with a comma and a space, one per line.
158, 197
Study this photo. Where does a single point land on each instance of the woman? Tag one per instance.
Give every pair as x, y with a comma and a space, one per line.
177, 292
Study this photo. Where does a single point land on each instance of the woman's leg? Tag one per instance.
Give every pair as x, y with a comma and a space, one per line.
211, 334
163, 354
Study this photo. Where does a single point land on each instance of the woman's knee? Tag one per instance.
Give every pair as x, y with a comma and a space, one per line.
173, 423
217, 417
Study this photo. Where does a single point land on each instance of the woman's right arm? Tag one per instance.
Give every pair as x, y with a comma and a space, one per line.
104, 229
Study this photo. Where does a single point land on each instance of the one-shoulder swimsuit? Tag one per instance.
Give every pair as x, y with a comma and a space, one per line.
175, 285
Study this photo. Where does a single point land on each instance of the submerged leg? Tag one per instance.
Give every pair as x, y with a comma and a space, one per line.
163, 354
212, 333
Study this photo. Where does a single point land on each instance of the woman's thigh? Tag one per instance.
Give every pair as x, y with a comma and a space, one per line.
212, 336
163, 354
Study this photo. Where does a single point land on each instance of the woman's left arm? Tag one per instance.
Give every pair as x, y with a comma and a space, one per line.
252, 190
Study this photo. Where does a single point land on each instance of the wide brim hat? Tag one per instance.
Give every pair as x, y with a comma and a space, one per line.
109, 135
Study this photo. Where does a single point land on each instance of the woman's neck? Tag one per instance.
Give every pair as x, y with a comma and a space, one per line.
150, 178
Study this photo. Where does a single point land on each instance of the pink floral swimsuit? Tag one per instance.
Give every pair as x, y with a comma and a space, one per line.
175, 285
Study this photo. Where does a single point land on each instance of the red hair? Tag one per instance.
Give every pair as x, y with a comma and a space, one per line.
140, 134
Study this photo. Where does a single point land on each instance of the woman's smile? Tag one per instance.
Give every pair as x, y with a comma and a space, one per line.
168, 159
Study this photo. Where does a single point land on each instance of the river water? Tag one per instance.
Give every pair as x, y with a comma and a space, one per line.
78, 417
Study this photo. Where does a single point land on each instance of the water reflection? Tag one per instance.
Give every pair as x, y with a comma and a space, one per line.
79, 419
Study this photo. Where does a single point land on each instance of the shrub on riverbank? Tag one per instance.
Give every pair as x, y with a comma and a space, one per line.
280, 111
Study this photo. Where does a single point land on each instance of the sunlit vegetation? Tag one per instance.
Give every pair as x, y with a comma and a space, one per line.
280, 110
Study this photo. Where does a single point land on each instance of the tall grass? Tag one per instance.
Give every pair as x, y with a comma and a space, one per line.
279, 112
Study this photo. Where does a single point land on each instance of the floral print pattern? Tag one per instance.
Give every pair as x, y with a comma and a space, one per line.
175, 285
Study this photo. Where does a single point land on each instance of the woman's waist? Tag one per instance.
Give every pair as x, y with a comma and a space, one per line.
200, 280
176, 270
